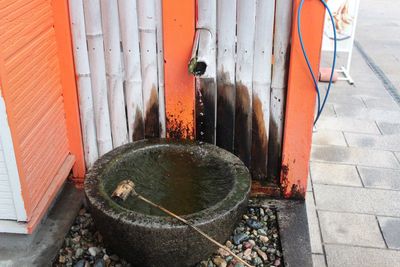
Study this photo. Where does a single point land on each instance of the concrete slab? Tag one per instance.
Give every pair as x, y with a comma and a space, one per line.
380, 178
318, 260
313, 225
391, 231
389, 128
347, 124
350, 256
335, 174
368, 114
40, 248
379, 142
327, 137
381, 103
354, 156
350, 229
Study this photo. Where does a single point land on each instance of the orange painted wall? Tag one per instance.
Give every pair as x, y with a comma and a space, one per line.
300, 100
32, 89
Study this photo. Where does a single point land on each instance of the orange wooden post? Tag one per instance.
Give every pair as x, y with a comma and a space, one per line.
178, 34
64, 45
300, 101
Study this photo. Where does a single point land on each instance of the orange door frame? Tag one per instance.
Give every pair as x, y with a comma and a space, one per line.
178, 33
62, 30
300, 100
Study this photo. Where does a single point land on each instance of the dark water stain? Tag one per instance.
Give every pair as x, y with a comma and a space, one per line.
151, 121
205, 109
177, 129
184, 181
259, 148
138, 126
274, 152
225, 112
242, 139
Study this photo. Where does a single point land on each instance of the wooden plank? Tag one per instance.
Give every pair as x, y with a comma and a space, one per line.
133, 75
160, 66
94, 37
246, 13
82, 71
112, 51
226, 30
206, 84
261, 88
279, 84
178, 24
62, 30
301, 100
148, 56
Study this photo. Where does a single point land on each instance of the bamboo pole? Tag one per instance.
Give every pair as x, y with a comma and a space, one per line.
282, 33
112, 49
206, 84
246, 13
160, 65
94, 37
226, 32
148, 56
84, 83
133, 79
261, 87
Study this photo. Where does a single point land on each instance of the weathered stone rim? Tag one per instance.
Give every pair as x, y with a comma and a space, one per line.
99, 199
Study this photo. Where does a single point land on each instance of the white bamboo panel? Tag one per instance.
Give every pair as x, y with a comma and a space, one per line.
94, 36
282, 34
246, 11
261, 87
84, 83
112, 51
160, 65
226, 34
206, 84
148, 56
133, 79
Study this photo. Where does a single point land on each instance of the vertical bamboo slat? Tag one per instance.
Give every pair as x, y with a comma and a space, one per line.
148, 56
282, 33
133, 79
160, 65
226, 34
261, 87
206, 85
246, 10
94, 38
84, 83
112, 51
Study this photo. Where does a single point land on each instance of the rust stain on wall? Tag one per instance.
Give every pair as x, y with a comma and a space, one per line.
242, 140
225, 112
205, 110
151, 121
297, 191
259, 149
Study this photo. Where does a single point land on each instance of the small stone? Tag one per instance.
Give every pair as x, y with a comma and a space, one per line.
264, 239
100, 263
262, 254
261, 232
247, 245
229, 244
253, 254
262, 212
220, 262
223, 252
239, 264
252, 242
210, 264
254, 224
277, 262
247, 252
257, 261
114, 257
239, 247
255, 233
94, 251
75, 228
264, 248
239, 238
78, 253
61, 259
80, 263
245, 217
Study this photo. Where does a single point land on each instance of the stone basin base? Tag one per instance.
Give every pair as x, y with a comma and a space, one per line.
200, 182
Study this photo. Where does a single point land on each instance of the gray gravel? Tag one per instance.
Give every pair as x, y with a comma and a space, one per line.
255, 239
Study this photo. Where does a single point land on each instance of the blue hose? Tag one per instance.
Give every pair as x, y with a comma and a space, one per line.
320, 107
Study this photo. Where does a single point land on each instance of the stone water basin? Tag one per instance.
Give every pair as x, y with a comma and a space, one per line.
200, 182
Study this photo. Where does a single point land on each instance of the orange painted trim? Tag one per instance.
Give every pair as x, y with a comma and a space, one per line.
64, 44
300, 100
17, 150
178, 34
